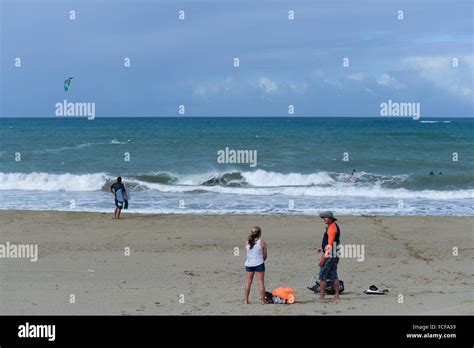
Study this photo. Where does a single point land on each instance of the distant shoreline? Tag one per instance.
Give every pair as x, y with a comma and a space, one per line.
126, 213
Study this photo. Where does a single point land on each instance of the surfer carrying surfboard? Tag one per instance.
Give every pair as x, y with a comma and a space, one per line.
120, 195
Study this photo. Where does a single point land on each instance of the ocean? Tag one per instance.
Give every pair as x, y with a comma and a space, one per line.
301, 165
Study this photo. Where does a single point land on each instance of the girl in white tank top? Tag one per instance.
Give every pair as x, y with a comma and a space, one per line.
254, 255
255, 262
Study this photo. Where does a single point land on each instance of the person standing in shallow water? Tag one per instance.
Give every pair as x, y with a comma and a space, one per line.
118, 185
255, 262
329, 259
350, 177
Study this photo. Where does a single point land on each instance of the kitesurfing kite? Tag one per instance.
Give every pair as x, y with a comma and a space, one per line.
67, 83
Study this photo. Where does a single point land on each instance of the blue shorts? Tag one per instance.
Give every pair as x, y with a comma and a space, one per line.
259, 268
329, 270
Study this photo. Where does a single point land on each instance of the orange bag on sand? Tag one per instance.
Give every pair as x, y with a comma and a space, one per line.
287, 294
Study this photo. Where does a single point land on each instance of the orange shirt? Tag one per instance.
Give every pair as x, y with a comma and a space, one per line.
332, 231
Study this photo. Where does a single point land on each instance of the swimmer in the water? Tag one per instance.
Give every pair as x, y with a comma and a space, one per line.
350, 177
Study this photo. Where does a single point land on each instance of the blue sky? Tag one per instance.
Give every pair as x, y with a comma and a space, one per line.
282, 62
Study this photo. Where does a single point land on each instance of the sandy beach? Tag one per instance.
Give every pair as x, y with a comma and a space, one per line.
191, 259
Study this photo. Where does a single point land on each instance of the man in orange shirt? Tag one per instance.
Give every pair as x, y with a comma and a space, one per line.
329, 259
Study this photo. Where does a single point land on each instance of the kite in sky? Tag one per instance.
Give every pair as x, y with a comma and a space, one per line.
67, 83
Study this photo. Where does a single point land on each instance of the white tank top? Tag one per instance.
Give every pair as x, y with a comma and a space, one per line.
254, 255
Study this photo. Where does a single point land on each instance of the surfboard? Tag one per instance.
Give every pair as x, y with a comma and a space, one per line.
120, 196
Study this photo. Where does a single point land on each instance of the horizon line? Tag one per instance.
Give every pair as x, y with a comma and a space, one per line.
184, 116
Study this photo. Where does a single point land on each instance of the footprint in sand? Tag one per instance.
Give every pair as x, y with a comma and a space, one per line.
191, 273
141, 309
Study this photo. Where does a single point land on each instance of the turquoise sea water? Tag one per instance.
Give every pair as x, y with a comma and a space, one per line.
173, 165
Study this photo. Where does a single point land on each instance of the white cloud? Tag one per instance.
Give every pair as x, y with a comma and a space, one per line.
267, 85
369, 91
439, 70
333, 82
317, 74
299, 87
231, 86
209, 88
356, 76
388, 81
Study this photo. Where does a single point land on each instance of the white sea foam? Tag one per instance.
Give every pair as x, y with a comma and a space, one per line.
115, 141
52, 182
262, 178
344, 191
65, 148
259, 183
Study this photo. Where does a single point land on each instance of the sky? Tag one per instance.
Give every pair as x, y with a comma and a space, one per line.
283, 62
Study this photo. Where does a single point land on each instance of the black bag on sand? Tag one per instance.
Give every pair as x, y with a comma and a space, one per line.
268, 297
315, 286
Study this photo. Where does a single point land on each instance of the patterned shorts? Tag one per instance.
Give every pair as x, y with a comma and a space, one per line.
329, 270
